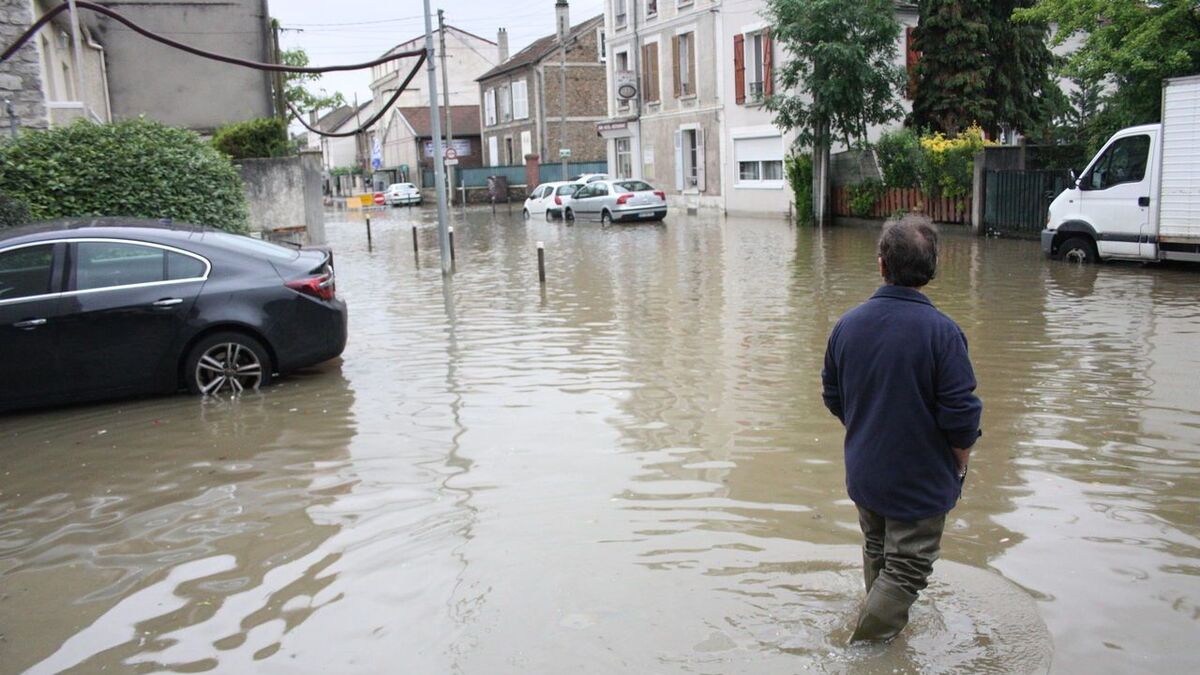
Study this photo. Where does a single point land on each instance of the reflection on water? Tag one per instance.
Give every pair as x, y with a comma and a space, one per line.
627, 471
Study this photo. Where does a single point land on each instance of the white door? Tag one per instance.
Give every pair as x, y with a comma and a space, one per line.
678, 160
1115, 196
493, 151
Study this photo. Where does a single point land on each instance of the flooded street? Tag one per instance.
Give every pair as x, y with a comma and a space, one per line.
630, 471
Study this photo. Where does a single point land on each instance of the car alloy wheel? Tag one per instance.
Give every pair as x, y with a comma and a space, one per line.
227, 363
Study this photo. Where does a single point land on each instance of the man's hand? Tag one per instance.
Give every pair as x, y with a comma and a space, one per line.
961, 457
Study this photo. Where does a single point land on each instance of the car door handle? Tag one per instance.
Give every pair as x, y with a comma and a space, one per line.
168, 302
29, 324
1143, 201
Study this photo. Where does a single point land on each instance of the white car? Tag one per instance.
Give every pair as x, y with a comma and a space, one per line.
402, 193
549, 198
585, 178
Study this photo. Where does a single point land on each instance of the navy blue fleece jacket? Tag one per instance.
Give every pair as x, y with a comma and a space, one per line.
897, 375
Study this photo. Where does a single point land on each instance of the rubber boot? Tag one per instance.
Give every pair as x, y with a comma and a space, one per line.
884, 615
872, 565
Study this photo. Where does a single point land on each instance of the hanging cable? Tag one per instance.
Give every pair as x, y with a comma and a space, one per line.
374, 118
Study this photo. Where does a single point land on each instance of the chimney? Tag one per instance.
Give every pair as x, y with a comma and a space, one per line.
562, 13
502, 44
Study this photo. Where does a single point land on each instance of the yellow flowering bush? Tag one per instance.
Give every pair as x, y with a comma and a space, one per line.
947, 163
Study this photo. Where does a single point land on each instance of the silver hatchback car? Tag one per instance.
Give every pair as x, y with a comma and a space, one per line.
616, 200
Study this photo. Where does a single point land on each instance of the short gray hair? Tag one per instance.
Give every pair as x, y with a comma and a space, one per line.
909, 248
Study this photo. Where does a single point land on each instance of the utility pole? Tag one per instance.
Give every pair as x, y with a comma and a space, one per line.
277, 77
446, 102
439, 169
564, 29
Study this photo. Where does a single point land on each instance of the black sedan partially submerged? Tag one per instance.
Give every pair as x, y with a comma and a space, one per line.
101, 308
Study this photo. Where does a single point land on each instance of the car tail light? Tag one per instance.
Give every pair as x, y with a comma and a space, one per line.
661, 195
557, 200
623, 198
321, 286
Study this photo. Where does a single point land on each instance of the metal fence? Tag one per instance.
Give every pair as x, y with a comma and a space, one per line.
1015, 202
515, 174
478, 177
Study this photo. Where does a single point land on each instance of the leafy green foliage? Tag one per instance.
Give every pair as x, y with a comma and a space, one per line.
136, 168
295, 88
865, 195
799, 170
12, 212
839, 78
899, 154
978, 67
1131, 44
947, 164
253, 139
346, 171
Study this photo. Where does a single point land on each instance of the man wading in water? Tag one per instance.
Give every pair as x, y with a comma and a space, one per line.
898, 377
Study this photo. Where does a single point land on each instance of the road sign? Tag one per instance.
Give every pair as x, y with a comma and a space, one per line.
451, 162
564, 152
451, 153
379, 198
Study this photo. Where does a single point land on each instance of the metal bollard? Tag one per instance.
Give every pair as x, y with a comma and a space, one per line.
368, 233
451, 228
416, 248
542, 262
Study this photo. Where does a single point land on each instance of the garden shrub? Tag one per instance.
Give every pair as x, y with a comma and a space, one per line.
899, 153
253, 139
799, 170
864, 196
135, 168
12, 212
947, 163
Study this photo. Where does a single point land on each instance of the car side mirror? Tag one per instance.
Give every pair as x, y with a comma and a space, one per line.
1074, 178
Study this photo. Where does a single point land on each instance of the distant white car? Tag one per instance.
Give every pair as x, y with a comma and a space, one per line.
402, 193
585, 178
541, 200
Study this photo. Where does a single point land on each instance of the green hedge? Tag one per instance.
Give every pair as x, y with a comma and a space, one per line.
254, 139
12, 212
900, 157
799, 170
135, 168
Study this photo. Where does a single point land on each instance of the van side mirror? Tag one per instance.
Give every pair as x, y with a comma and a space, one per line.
1074, 178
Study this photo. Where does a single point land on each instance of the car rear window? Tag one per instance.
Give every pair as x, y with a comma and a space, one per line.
252, 247
633, 186
567, 189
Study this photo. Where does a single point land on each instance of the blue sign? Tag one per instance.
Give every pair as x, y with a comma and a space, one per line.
376, 154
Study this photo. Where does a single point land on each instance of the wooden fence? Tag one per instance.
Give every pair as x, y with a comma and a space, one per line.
942, 209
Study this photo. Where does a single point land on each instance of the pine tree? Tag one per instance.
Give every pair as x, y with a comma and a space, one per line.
1025, 95
955, 71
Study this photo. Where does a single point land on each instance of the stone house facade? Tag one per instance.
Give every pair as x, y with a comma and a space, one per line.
521, 102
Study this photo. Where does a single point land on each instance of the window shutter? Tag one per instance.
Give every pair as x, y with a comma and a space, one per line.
675, 63
768, 50
700, 160
678, 161
739, 69
911, 57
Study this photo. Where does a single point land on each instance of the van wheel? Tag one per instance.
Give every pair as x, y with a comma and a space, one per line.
605, 218
1078, 250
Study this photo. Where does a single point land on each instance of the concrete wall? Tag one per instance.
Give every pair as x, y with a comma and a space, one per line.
177, 88
285, 192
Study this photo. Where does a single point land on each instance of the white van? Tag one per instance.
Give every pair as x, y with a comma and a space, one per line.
1139, 197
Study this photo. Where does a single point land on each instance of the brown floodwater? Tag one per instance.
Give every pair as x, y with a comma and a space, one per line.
628, 471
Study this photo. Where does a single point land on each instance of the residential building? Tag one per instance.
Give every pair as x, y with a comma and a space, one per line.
409, 148
665, 96
522, 99
119, 74
467, 57
753, 147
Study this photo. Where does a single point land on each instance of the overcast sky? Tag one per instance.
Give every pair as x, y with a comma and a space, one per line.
352, 31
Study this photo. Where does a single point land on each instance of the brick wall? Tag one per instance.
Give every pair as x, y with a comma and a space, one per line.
21, 75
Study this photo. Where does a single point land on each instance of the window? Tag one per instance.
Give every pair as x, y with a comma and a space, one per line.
601, 45
101, 264
621, 66
489, 107
526, 144
755, 45
566, 189
752, 66
520, 97
633, 186
25, 272
689, 159
1123, 162
619, 12
508, 150
650, 72
683, 55
505, 104
624, 157
651, 9
493, 151
759, 161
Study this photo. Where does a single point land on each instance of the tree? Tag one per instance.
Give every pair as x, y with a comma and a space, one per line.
1022, 86
955, 70
840, 77
1131, 45
295, 89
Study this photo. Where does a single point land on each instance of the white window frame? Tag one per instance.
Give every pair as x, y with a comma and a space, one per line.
526, 144
506, 103
628, 140
617, 54
520, 104
648, 13
692, 65
621, 13
489, 108
601, 45
759, 183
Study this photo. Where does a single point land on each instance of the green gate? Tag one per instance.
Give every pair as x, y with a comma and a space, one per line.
1015, 202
